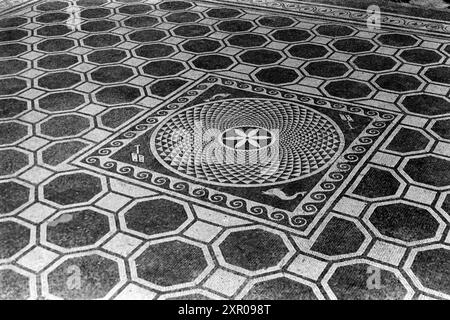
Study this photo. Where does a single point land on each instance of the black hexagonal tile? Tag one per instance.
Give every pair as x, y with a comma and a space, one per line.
11, 132
162, 88
135, 9
335, 30
61, 101
174, 5
141, 22
377, 183
53, 17
339, 237
11, 85
260, 56
12, 161
12, 35
421, 56
54, 45
95, 13
327, 69
183, 17
170, 263
276, 21
102, 40
213, 62
114, 118
308, 51
57, 61
118, 94
72, 188
91, 3
65, 126
12, 66
77, 229
112, 74
375, 62
247, 40
429, 170
54, 30
353, 282
59, 152
223, 13
348, 89
12, 22
59, 80
157, 50
439, 74
408, 140
201, 45
15, 286
12, 107
98, 26
52, 6
404, 222
148, 35
12, 196
107, 56
253, 249
291, 35
13, 237
235, 25
97, 276
12, 49
277, 75
280, 289
426, 104
398, 82
192, 30
397, 40
440, 127
353, 45
163, 68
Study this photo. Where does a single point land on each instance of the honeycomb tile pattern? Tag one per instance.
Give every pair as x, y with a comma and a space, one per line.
73, 73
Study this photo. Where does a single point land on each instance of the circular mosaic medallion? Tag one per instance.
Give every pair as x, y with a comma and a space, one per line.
247, 142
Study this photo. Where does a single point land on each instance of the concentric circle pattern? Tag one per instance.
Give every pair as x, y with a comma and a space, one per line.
303, 142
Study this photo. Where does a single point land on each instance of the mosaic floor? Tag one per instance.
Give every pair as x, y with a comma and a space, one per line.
234, 149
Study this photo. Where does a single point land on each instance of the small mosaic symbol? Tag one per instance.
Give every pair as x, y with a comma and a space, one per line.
137, 156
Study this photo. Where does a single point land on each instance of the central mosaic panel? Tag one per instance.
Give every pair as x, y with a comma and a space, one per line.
276, 156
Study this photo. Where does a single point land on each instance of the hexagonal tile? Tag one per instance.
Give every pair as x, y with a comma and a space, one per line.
148, 35
374, 62
58, 152
440, 127
101, 40
10, 86
404, 222
421, 56
192, 30
61, 101
91, 3
141, 22
72, 188
235, 25
112, 74
183, 17
156, 50
13, 195
277, 75
213, 62
426, 104
223, 13
201, 45
12, 66
54, 30
135, 9
335, 30
155, 217
348, 89
12, 160
52, 6
291, 35
118, 95
12, 107
12, 35
260, 56
439, 74
247, 40
12, 132
14, 237
52, 17
327, 69
163, 68
57, 61
82, 228
12, 49
115, 117
377, 183
95, 13
162, 88
430, 170
171, 263
174, 5
59, 80
92, 275
65, 125
398, 40
15, 284
308, 51
254, 249
407, 140
12, 22
55, 45
107, 56
98, 26
398, 82
276, 21
353, 45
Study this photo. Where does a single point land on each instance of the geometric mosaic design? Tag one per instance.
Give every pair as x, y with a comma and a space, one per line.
91, 92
